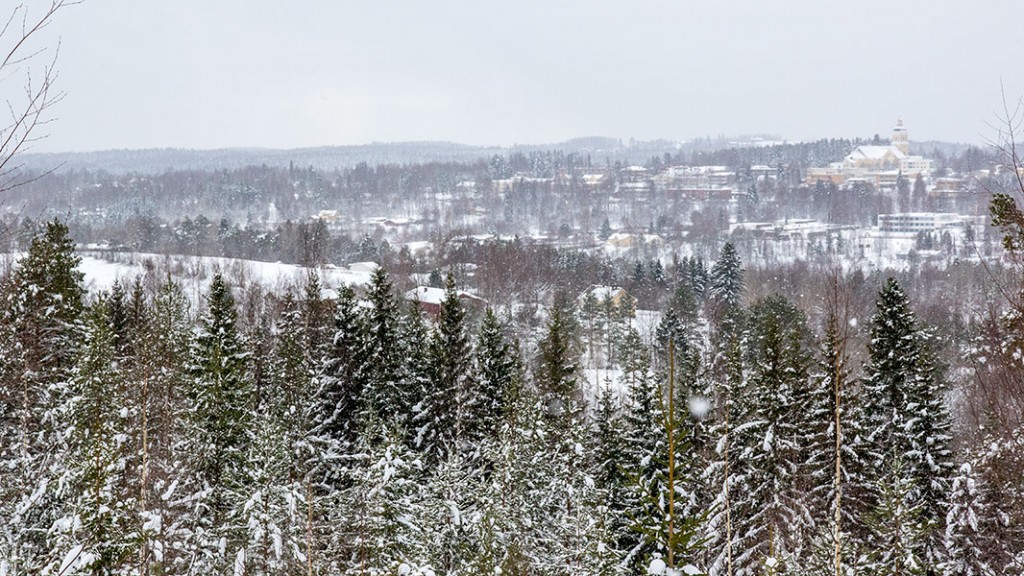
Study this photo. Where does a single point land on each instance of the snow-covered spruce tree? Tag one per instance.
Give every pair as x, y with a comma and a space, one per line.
971, 531
665, 516
505, 533
418, 369
561, 491
670, 329
381, 365
449, 515
731, 405
162, 412
933, 454
379, 513
692, 391
499, 373
641, 460
612, 482
896, 524
276, 513
556, 378
449, 408
98, 531
686, 306
835, 460
726, 283
316, 319
997, 464
340, 380
40, 325
217, 432
906, 413
892, 369
771, 515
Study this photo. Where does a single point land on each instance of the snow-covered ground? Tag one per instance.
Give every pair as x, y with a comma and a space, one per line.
103, 269
193, 273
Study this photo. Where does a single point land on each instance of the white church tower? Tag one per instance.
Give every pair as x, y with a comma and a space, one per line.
900, 139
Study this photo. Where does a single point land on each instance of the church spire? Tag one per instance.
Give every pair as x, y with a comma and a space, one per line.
900, 139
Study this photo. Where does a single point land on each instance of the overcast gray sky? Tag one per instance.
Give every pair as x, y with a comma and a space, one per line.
282, 74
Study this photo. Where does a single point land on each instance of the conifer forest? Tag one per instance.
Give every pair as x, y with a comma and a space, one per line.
143, 433
511, 288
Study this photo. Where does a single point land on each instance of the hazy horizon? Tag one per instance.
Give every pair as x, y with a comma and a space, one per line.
259, 74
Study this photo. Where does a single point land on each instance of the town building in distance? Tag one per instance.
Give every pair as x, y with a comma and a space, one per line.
880, 166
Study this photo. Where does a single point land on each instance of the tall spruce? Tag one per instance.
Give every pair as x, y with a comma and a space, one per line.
341, 376
219, 422
906, 414
40, 315
380, 369
557, 378
498, 371
835, 460
101, 531
449, 408
771, 514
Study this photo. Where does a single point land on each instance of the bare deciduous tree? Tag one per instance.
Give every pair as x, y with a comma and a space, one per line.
28, 76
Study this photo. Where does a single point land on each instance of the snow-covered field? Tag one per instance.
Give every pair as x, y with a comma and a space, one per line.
193, 273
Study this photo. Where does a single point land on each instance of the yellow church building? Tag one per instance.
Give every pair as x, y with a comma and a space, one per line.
878, 165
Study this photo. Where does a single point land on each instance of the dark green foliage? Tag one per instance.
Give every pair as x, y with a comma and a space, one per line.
341, 380
220, 393
605, 232
380, 367
558, 368
726, 281
772, 513
1007, 215
450, 405
98, 443
906, 412
499, 373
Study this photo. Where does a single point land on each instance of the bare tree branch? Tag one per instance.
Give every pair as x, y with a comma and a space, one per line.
21, 64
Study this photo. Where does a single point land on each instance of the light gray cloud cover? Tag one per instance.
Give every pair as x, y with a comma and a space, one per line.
206, 74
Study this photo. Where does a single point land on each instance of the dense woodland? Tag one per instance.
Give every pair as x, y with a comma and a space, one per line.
806, 418
280, 433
